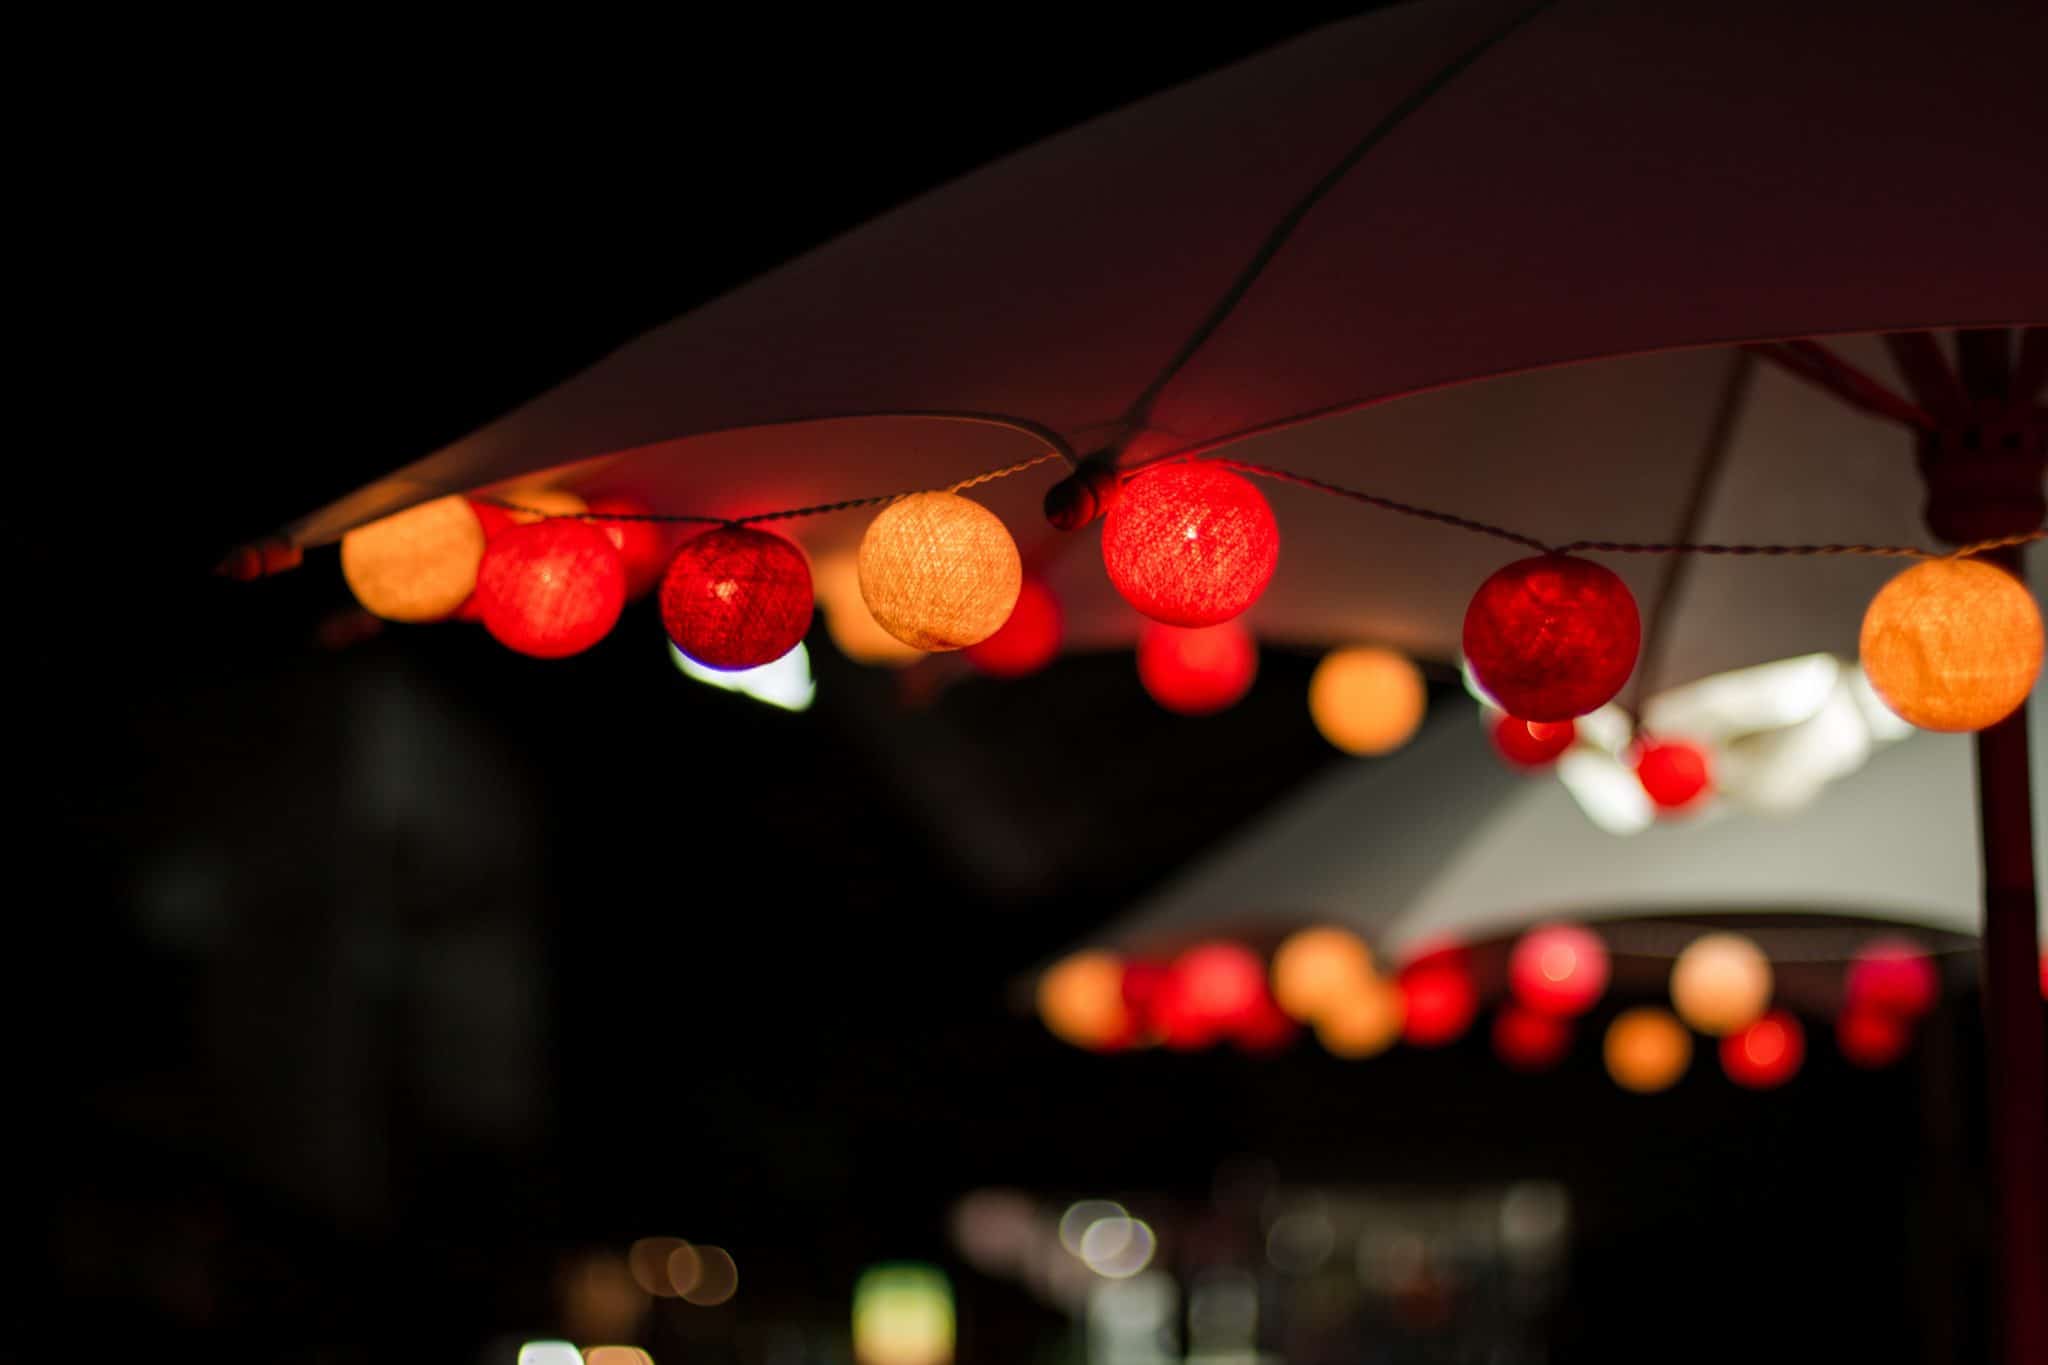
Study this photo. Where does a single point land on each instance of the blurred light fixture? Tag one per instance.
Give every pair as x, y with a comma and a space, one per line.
1367, 701
549, 1353
785, 683
1721, 983
1119, 1247
1080, 1216
616, 1355
903, 1315
718, 1279
1647, 1050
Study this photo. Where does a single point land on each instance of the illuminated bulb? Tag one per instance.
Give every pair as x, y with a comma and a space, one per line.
939, 571
736, 597
1313, 969
1767, 1053
1367, 701
551, 588
1363, 1023
1081, 999
1952, 644
1552, 637
1558, 969
852, 626
1439, 998
1190, 544
1027, 641
1529, 1040
416, 565
1532, 743
1892, 975
903, 1315
1721, 983
1197, 672
1647, 1050
1674, 773
1212, 989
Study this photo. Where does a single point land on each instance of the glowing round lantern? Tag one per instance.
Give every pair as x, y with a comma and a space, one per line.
416, 565
1529, 1040
1364, 1022
1367, 701
1197, 672
551, 588
496, 521
903, 1315
1266, 1030
1081, 999
1315, 968
1532, 743
643, 545
1721, 983
1190, 544
939, 571
1438, 998
1646, 1050
1215, 988
1765, 1054
528, 505
1558, 969
736, 597
1674, 773
1872, 1038
1144, 988
1552, 637
849, 622
1025, 643
1952, 644
1893, 976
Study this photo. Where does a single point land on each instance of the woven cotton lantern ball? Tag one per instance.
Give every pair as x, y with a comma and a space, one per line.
939, 571
736, 597
1767, 1053
1081, 1000
416, 565
1439, 996
1952, 644
1721, 983
1675, 774
1558, 969
1027, 641
1197, 672
1190, 544
551, 588
1367, 701
1646, 1050
1364, 1022
1892, 975
1315, 968
1552, 637
643, 545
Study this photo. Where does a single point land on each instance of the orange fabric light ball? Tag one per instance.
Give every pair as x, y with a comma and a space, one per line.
1190, 544
416, 565
1364, 1022
1367, 701
1647, 1050
939, 571
1197, 672
551, 588
1081, 1000
1314, 969
1721, 983
1952, 644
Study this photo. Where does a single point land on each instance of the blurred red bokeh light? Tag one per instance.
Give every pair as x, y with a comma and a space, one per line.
1892, 975
1440, 998
1558, 969
1674, 773
1197, 672
1027, 641
1528, 1040
1532, 743
1872, 1038
1767, 1053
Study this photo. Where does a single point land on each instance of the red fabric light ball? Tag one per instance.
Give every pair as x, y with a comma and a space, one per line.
1892, 976
736, 597
1558, 969
1674, 773
1533, 743
1552, 637
496, 521
1767, 1053
550, 588
642, 544
1440, 998
1872, 1038
1190, 544
1528, 1040
1197, 672
1212, 990
1144, 986
1267, 1030
1027, 641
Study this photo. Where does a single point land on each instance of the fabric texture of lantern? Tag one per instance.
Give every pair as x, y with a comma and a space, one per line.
1721, 983
1316, 968
1552, 637
1080, 999
551, 588
1558, 969
1367, 701
1767, 1053
736, 597
417, 565
643, 545
1675, 774
1952, 644
939, 571
1190, 544
1646, 1050
1027, 641
1197, 672
1532, 743
1529, 1040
